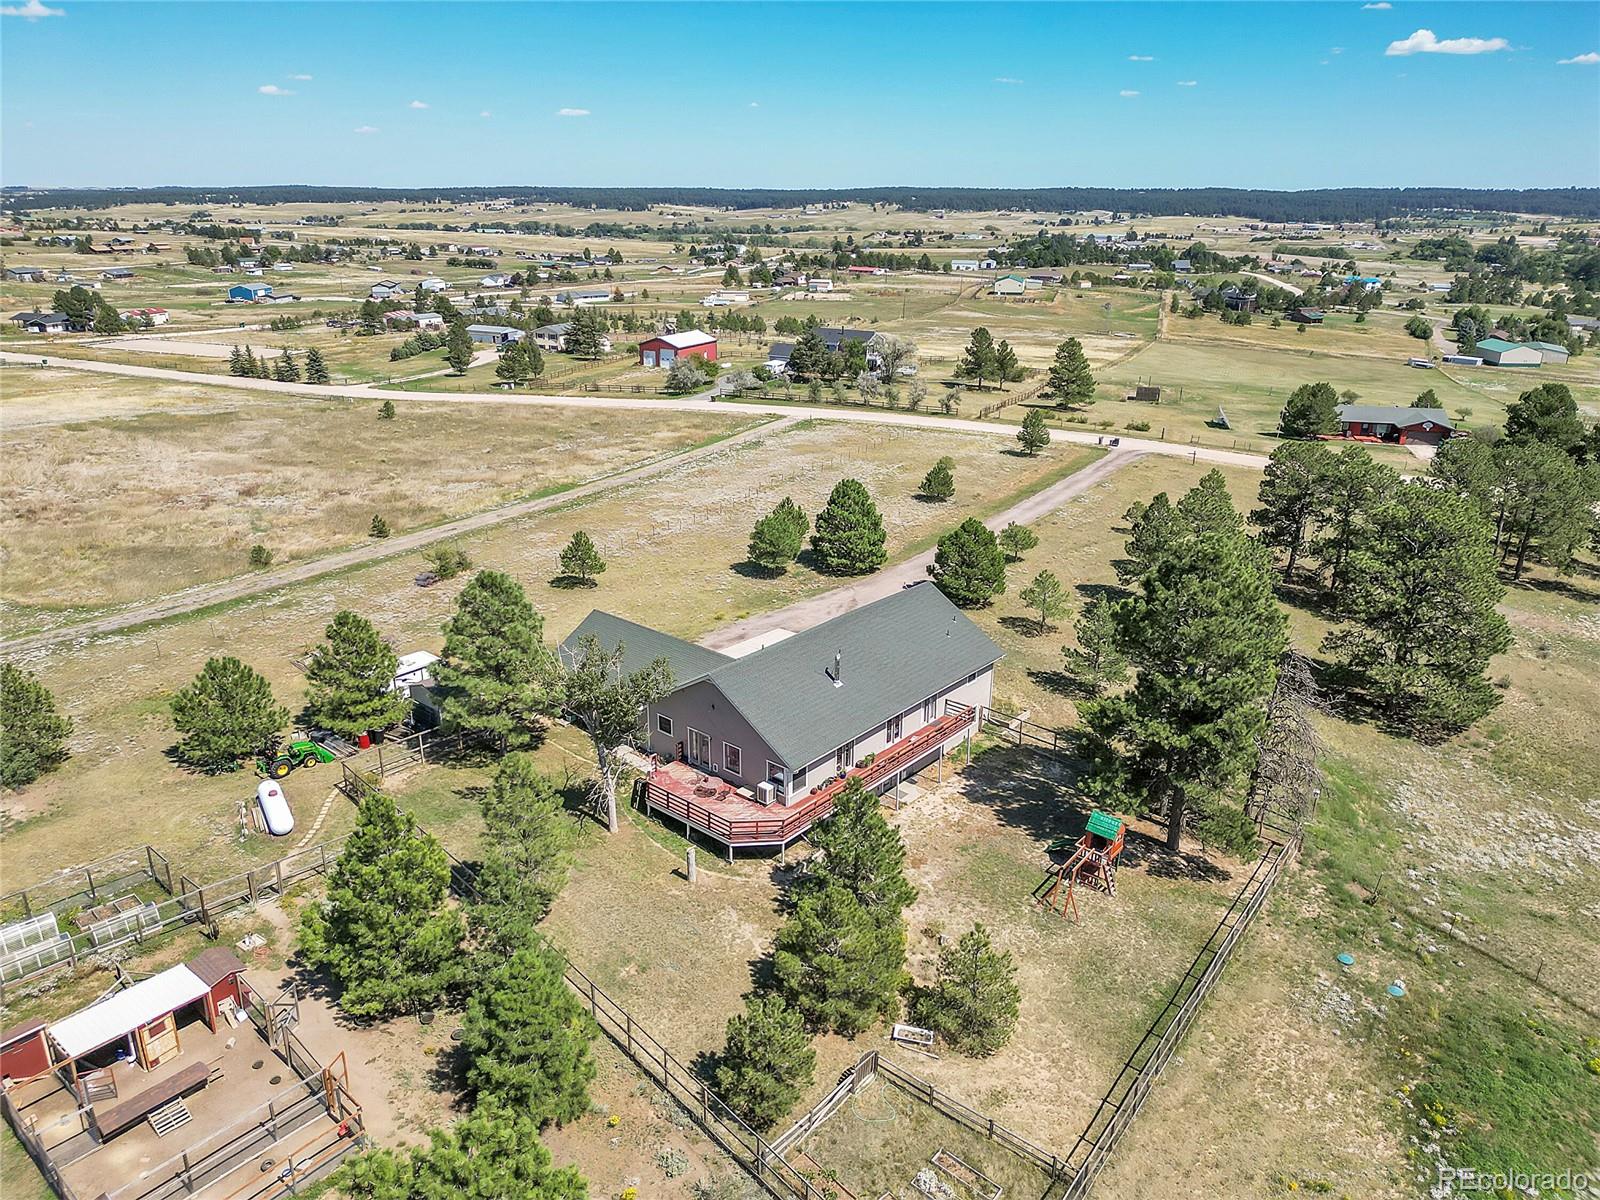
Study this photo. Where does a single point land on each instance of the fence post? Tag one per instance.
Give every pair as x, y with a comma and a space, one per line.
88, 874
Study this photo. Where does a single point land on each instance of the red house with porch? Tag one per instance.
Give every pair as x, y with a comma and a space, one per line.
1383, 423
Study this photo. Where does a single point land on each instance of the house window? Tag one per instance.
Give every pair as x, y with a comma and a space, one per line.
732, 759
797, 785
774, 772
971, 677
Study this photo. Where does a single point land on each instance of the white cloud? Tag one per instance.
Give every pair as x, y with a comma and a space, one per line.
572, 112
1424, 41
755, 104
1006, 79
31, 11
1188, 83
301, 78
1127, 92
417, 104
365, 129
272, 89
486, 113
1141, 58
1579, 60
1336, 50
1380, 6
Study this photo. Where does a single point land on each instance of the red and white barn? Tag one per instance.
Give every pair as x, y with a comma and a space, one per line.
665, 349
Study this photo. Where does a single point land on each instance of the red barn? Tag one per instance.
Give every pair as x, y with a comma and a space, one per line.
664, 349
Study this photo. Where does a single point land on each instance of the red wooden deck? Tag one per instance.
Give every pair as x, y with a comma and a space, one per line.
720, 811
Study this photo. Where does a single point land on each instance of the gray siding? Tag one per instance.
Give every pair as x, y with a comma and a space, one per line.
701, 706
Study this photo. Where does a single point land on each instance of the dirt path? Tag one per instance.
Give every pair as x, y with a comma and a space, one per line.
891, 579
257, 582
1277, 283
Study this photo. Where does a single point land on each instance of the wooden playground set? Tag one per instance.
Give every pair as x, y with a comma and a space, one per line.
1092, 861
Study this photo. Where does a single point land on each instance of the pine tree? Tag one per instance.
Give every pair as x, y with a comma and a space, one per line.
1353, 490
526, 853
1205, 636
251, 367
1016, 540
386, 411
493, 1153
1045, 596
968, 566
236, 363
1312, 408
1156, 529
378, 528
849, 538
1549, 503
496, 674
606, 703
980, 360
766, 1062
862, 853
1208, 508
458, 347
351, 678
1034, 435
33, 734
1290, 495
226, 714
316, 368
286, 370
512, 365
527, 1038
1547, 414
1071, 383
838, 964
580, 560
587, 337
939, 483
385, 932
1005, 363
974, 1001
774, 542
1095, 660
1421, 597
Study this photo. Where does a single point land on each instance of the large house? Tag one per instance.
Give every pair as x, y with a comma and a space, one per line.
554, 337
37, 322
755, 747
494, 335
664, 349
1385, 423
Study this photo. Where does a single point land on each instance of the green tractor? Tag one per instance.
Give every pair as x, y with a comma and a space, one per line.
303, 753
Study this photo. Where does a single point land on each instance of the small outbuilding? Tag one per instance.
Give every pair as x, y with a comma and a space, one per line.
249, 293
1306, 316
664, 349
1009, 285
1498, 352
1550, 352
494, 335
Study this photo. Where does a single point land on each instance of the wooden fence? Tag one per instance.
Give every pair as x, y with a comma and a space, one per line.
1131, 1087
1019, 732
73, 887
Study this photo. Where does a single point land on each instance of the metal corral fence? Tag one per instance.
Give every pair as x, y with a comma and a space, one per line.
1131, 1087
54, 948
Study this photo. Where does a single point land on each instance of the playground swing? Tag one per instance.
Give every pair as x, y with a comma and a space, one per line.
1094, 859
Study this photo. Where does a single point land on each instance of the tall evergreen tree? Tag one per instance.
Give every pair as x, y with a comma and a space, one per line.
226, 714
1006, 367
840, 965
1205, 635
849, 537
316, 368
861, 852
1156, 529
980, 360
352, 679
974, 1001
385, 933
33, 734
766, 1062
1045, 596
527, 1038
1033, 434
939, 483
236, 363
1071, 383
1421, 597
458, 347
1016, 540
1549, 504
1312, 408
1547, 414
587, 337
496, 674
1291, 494
1096, 660
1208, 507
526, 854
1354, 488
968, 565
777, 538
580, 560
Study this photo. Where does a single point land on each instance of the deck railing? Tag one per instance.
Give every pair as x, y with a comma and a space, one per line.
816, 806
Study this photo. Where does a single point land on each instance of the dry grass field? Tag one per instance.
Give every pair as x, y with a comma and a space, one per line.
102, 506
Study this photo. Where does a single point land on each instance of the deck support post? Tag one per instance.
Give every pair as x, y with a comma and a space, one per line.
690, 867
969, 746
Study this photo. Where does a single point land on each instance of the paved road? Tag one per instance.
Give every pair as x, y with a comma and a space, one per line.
1235, 458
265, 581
806, 613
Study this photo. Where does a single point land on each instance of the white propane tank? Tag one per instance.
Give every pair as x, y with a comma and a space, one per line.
275, 814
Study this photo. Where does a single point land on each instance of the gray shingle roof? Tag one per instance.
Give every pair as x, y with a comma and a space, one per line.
642, 645
1393, 415
897, 652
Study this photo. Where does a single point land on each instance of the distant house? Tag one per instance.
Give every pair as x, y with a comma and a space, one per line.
1306, 316
778, 357
579, 297
1583, 324
1181, 266
787, 279
1046, 277
1140, 268
433, 284
249, 293
1498, 352
1009, 285
387, 289
422, 320
1239, 300
724, 298
283, 267
867, 270
497, 280
494, 335
964, 264
1550, 352
664, 349
139, 316
554, 337
36, 322
117, 273
1383, 423
820, 283
26, 274
1370, 283
754, 748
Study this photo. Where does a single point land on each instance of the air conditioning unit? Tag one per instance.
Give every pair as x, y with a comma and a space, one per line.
767, 791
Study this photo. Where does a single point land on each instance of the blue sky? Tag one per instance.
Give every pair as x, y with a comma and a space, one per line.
1286, 95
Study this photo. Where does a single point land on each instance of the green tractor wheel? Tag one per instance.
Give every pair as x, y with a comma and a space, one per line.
279, 768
